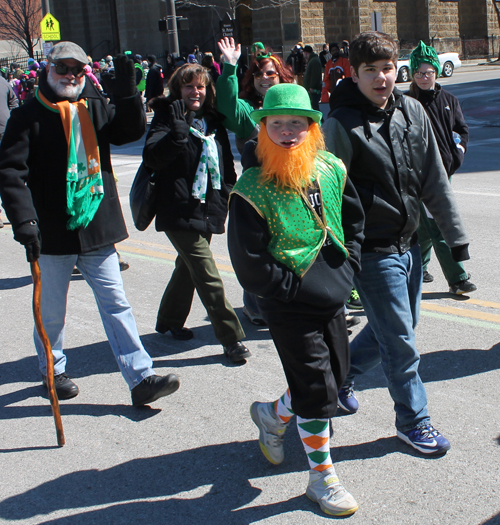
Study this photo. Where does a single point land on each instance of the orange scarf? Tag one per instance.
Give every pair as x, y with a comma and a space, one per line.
84, 186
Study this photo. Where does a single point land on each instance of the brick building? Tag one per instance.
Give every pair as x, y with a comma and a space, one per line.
109, 26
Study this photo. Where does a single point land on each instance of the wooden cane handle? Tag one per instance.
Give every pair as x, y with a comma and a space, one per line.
37, 313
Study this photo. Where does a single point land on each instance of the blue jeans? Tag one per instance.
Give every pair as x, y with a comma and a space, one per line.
101, 270
389, 286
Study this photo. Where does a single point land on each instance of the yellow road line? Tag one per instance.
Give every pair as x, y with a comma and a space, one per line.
475, 302
450, 310
164, 247
168, 256
460, 312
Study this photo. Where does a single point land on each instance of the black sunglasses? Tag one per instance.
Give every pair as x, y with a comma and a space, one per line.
62, 69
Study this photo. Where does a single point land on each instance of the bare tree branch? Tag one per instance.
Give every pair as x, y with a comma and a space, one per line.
20, 22
232, 5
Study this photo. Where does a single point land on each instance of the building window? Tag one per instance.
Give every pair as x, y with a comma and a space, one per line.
376, 19
291, 32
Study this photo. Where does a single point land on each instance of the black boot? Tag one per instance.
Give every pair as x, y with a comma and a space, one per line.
65, 388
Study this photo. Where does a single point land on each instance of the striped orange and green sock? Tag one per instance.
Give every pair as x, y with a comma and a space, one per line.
283, 407
315, 436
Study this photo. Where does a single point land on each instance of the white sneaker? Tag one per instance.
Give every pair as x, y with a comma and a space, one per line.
325, 488
272, 431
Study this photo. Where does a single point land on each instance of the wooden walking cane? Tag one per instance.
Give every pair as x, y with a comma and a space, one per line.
37, 312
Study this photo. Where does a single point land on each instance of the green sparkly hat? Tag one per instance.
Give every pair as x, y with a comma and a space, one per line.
423, 53
286, 99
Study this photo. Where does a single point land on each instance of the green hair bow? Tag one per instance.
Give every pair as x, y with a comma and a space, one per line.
259, 51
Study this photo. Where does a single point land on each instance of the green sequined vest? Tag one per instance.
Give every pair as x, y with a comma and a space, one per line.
297, 231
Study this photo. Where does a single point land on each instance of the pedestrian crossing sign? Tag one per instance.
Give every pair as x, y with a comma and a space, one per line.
49, 28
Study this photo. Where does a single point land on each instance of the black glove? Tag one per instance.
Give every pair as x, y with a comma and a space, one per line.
123, 83
179, 121
28, 235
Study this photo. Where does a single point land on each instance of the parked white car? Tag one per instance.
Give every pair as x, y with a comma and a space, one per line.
449, 62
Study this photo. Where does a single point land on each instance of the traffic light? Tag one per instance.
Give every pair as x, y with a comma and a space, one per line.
162, 24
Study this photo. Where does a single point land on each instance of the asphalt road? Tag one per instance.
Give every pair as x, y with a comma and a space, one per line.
193, 457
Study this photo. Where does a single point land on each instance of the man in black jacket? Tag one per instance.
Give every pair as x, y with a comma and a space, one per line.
154, 79
57, 186
386, 142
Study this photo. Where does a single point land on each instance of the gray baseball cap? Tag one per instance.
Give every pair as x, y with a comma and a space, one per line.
64, 50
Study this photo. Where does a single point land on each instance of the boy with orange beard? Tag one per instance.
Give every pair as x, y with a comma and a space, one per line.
295, 229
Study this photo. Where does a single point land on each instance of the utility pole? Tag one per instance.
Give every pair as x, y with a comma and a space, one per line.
115, 28
173, 38
45, 7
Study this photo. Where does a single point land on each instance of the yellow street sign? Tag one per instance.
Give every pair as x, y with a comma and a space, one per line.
49, 27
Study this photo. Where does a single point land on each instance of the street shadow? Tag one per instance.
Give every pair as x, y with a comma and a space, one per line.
441, 366
220, 472
10, 409
494, 520
98, 358
429, 296
11, 283
219, 477
178, 511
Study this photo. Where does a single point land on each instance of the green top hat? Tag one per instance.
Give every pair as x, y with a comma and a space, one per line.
427, 54
286, 99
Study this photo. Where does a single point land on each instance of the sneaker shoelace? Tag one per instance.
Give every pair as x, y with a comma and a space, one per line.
429, 432
354, 294
348, 390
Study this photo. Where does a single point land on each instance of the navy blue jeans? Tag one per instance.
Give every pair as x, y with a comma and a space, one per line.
390, 287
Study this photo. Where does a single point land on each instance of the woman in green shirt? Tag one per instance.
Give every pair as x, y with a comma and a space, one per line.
265, 71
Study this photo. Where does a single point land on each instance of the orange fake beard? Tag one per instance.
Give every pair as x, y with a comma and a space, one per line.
289, 168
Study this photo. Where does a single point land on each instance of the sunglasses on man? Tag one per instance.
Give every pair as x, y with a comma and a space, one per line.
62, 69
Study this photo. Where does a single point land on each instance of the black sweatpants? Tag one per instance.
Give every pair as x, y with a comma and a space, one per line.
314, 352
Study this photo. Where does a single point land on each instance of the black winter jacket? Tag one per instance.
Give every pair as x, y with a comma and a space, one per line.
445, 114
154, 82
393, 160
175, 164
33, 165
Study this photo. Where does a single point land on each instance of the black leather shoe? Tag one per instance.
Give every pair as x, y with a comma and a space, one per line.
237, 352
181, 334
65, 388
427, 277
154, 387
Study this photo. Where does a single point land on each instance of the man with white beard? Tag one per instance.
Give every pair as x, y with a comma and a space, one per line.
58, 191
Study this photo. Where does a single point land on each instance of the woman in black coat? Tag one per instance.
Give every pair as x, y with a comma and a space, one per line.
189, 151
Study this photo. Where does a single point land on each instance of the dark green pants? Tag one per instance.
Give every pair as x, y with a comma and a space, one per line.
430, 236
195, 268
